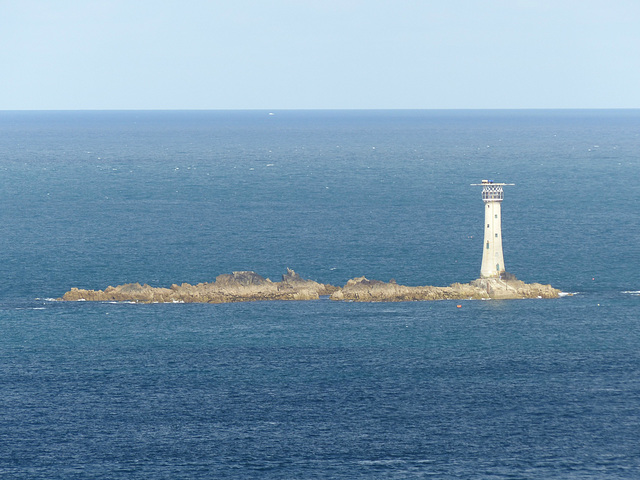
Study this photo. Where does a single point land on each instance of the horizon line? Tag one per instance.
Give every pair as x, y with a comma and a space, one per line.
312, 109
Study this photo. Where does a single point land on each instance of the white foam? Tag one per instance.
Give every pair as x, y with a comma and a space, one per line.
567, 294
628, 292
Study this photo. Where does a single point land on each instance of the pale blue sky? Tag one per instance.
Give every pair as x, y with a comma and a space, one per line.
289, 54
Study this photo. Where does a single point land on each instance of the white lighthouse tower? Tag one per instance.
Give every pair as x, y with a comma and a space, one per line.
492, 258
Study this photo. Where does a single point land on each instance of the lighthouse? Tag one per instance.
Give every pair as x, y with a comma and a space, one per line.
492, 257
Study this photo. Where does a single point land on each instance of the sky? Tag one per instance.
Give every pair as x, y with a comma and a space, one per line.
319, 54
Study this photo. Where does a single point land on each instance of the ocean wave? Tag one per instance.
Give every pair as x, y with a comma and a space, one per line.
629, 292
568, 294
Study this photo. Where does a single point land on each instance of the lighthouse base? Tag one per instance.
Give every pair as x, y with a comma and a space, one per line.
503, 275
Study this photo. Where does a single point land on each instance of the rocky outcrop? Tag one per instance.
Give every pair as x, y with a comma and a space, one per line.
249, 286
235, 287
514, 288
363, 290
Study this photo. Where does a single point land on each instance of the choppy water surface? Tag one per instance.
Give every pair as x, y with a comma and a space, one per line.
512, 389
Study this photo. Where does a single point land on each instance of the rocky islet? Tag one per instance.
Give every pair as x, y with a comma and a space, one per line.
249, 286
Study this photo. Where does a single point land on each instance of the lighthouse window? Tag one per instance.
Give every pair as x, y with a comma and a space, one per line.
488, 225
496, 235
496, 215
487, 245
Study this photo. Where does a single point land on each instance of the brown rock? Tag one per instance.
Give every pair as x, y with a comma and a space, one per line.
249, 286
235, 287
363, 290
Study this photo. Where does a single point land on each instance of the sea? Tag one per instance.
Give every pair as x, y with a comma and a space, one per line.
511, 389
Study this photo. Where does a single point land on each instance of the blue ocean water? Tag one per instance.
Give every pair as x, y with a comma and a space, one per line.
496, 389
